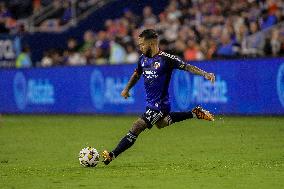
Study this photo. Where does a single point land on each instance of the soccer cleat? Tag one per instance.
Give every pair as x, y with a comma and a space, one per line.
107, 158
202, 113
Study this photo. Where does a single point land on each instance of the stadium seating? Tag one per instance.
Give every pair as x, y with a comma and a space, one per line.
193, 30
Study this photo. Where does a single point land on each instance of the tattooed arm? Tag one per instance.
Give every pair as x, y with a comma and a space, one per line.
178, 63
198, 71
133, 80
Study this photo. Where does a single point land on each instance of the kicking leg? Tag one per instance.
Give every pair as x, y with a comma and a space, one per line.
201, 113
174, 117
126, 142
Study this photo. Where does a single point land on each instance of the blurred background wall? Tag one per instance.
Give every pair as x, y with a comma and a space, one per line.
73, 56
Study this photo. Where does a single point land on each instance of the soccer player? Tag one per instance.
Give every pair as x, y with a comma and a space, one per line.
156, 67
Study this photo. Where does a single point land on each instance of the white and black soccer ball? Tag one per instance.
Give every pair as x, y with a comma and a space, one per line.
89, 157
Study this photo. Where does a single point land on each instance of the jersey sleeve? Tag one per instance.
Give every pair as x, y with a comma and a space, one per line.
177, 63
139, 69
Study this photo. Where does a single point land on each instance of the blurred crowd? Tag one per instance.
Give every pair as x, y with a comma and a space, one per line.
62, 13
14, 13
193, 30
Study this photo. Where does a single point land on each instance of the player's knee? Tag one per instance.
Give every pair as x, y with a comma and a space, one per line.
161, 124
138, 126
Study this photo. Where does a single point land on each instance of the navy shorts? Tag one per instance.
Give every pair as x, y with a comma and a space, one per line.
152, 116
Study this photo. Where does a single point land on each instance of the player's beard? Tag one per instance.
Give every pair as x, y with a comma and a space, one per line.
148, 52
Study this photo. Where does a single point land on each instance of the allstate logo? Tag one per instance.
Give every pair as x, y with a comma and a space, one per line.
182, 89
280, 84
20, 90
97, 89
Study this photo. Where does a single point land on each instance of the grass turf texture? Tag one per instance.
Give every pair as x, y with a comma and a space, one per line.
233, 152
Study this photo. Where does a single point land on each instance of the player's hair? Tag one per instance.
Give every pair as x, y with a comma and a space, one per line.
149, 34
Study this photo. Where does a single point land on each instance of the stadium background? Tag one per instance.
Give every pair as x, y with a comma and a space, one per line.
74, 57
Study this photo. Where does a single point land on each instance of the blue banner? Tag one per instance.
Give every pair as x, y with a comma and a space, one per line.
10, 47
254, 86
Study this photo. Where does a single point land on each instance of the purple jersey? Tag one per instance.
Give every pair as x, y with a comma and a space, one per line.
157, 73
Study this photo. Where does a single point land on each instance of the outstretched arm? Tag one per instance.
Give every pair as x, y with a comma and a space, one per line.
133, 80
198, 71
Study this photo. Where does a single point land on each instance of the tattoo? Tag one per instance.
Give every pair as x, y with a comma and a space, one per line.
194, 70
133, 80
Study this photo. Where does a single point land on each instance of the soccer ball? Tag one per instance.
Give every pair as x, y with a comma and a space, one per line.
89, 157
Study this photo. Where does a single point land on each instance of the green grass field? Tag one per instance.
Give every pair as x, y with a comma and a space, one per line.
233, 152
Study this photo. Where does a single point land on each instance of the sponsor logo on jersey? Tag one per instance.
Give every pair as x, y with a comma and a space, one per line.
157, 65
150, 74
